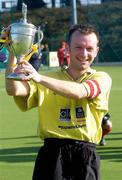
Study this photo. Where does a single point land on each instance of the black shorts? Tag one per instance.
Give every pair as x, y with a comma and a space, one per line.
67, 159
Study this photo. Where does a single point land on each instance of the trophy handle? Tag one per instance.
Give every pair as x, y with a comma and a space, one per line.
40, 36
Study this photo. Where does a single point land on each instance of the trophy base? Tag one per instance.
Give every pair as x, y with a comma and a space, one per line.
17, 77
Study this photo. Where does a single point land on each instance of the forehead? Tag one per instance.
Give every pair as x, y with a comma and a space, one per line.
79, 38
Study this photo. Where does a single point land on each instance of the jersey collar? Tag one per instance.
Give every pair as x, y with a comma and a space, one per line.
89, 71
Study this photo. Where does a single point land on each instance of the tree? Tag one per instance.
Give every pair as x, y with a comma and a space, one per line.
53, 3
65, 3
31, 4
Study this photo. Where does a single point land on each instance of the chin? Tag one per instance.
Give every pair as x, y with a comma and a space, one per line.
83, 67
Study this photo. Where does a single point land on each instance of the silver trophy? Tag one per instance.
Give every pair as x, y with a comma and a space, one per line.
22, 36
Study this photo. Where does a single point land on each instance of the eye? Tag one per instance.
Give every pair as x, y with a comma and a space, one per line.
78, 47
90, 49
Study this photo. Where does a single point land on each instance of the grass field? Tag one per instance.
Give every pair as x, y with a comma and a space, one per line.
19, 142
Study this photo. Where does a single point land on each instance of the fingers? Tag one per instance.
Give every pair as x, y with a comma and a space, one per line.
24, 67
22, 61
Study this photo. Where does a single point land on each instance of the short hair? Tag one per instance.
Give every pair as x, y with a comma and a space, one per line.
83, 29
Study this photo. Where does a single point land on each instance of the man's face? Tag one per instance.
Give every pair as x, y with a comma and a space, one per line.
83, 50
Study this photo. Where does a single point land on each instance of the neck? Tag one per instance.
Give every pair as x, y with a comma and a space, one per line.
75, 74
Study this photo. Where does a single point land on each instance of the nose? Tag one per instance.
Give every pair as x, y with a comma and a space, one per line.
84, 52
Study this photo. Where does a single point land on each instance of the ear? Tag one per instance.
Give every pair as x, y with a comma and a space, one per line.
97, 50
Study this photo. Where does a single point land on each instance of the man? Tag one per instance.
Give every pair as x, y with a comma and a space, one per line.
106, 128
71, 106
63, 55
35, 61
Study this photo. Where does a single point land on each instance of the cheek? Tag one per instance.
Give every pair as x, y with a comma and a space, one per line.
72, 52
94, 54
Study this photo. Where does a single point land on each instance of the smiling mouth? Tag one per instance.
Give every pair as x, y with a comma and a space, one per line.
82, 61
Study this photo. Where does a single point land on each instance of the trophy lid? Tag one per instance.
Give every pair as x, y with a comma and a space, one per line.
23, 21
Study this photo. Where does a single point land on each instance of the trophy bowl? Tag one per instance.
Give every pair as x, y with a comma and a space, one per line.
22, 37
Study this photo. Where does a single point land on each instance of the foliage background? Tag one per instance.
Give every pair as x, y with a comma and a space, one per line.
55, 23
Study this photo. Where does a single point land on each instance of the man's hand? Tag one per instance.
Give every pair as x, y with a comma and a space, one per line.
26, 68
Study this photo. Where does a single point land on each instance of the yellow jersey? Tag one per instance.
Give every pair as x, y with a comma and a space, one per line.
62, 117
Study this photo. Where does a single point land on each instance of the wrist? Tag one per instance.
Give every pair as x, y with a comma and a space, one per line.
39, 79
